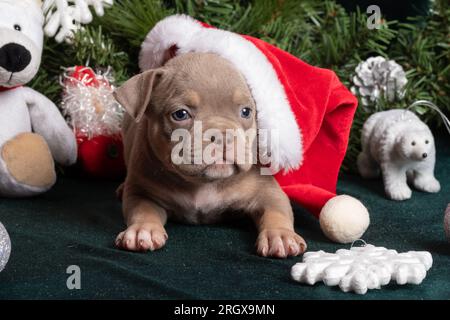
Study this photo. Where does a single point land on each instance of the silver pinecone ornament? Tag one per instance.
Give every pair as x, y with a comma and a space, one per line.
5, 247
377, 77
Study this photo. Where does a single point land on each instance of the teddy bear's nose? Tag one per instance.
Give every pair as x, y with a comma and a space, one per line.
14, 57
424, 155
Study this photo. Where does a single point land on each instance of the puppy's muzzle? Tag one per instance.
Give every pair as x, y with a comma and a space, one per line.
230, 141
14, 57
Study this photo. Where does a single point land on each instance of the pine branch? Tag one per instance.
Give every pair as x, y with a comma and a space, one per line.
90, 48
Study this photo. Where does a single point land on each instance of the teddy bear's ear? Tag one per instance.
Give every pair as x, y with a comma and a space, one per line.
135, 94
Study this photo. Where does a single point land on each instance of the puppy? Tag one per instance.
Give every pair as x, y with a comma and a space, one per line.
193, 89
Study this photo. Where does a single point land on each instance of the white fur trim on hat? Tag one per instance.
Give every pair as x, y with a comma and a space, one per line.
273, 109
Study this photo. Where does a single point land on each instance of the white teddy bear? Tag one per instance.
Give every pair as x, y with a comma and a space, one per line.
32, 130
397, 144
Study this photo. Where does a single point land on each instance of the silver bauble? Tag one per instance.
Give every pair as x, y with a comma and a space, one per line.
5, 247
377, 77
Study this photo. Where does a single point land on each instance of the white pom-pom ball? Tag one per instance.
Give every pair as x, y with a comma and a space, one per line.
344, 219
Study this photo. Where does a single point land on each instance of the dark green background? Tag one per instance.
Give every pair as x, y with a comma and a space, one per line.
77, 221
391, 9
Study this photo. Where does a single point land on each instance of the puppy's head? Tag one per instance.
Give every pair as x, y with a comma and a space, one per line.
201, 115
21, 41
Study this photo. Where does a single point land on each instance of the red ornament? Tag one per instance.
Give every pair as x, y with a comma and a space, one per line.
102, 156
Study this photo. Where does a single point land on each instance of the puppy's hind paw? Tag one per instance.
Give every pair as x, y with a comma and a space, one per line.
142, 237
280, 243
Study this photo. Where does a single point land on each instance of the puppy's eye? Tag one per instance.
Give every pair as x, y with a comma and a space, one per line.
246, 113
17, 27
181, 115
413, 143
427, 142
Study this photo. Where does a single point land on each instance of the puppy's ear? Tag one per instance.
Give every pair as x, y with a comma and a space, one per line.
135, 94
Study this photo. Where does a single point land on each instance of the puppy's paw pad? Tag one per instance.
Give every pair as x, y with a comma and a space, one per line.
280, 243
142, 237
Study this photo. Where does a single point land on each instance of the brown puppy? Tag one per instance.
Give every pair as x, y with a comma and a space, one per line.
190, 89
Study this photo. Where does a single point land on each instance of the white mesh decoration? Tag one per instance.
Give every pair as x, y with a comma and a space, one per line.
362, 268
64, 17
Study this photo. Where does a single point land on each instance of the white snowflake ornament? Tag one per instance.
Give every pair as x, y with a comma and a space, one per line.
64, 17
362, 268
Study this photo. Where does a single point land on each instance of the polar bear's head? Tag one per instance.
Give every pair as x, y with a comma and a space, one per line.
21, 41
415, 145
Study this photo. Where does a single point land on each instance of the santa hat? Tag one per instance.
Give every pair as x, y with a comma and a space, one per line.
309, 107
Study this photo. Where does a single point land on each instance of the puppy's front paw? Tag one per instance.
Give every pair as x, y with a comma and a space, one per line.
142, 237
279, 243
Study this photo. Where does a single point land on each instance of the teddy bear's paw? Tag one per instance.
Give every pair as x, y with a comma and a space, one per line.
29, 160
427, 184
398, 192
279, 243
142, 237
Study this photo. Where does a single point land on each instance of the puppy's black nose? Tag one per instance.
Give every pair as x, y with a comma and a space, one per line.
14, 57
424, 155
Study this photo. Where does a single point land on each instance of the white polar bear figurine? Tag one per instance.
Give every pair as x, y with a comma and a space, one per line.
397, 144
32, 130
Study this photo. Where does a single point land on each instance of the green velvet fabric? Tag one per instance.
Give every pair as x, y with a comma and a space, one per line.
76, 223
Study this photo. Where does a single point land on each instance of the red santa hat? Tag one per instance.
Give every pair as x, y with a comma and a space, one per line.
311, 110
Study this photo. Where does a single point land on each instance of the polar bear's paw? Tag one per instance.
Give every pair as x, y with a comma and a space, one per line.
398, 191
427, 184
